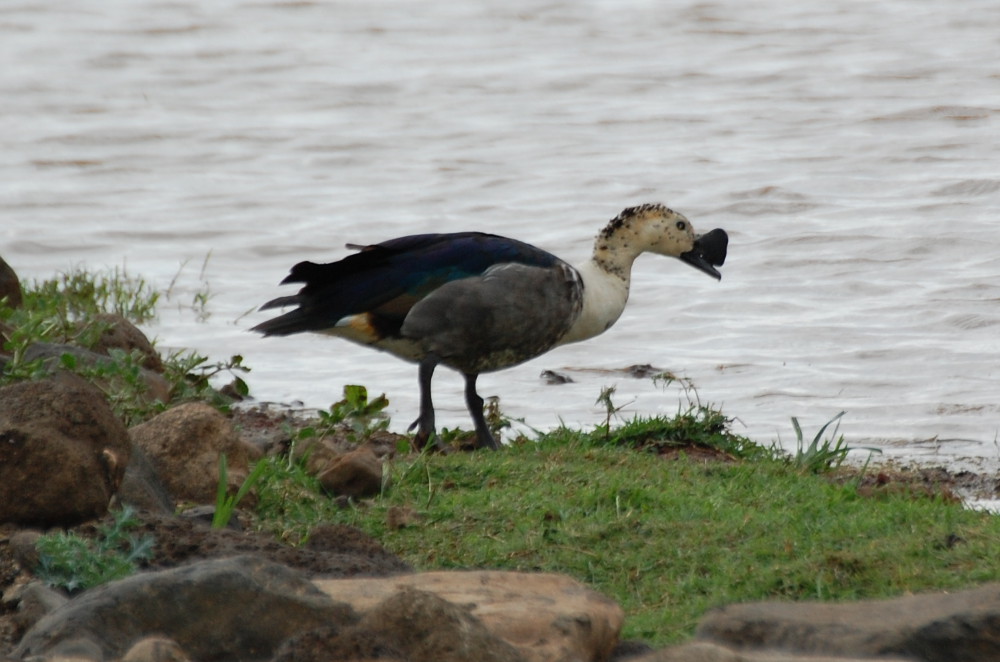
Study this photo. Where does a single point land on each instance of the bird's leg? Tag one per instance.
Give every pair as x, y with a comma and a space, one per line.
425, 422
484, 438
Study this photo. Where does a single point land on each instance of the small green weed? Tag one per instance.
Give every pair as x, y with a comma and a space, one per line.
356, 414
823, 455
201, 297
190, 375
76, 563
225, 503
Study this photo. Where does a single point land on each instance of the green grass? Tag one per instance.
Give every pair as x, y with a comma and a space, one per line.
290, 501
667, 539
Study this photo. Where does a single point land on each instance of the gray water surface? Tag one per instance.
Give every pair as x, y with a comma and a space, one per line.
849, 148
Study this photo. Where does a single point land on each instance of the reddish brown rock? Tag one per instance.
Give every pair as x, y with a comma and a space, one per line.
63, 452
184, 443
10, 285
120, 333
408, 626
357, 473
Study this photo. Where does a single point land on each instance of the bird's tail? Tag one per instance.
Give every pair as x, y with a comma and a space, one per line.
294, 321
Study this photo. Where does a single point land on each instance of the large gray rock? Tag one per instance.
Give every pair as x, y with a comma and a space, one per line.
933, 627
63, 452
240, 608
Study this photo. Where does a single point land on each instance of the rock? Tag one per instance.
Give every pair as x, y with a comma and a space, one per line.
266, 426
344, 468
22, 547
400, 517
331, 644
204, 515
82, 649
63, 452
120, 333
630, 649
142, 487
36, 600
10, 285
706, 652
553, 378
183, 445
427, 628
156, 649
410, 625
239, 608
547, 617
933, 627
317, 453
156, 386
355, 474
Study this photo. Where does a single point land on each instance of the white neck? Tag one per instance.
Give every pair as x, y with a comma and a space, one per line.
604, 298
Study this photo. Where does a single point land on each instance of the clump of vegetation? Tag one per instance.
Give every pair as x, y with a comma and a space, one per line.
696, 426
290, 501
68, 309
75, 563
225, 503
189, 375
80, 294
355, 415
823, 455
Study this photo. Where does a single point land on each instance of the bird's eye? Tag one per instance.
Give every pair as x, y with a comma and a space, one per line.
681, 225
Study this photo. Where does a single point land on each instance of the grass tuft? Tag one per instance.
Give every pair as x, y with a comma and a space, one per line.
823, 455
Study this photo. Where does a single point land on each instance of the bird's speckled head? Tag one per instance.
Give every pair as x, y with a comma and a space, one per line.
650, 227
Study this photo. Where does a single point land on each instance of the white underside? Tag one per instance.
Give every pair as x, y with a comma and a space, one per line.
604, 299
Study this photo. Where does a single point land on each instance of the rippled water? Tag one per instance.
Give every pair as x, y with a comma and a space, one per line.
849, 148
